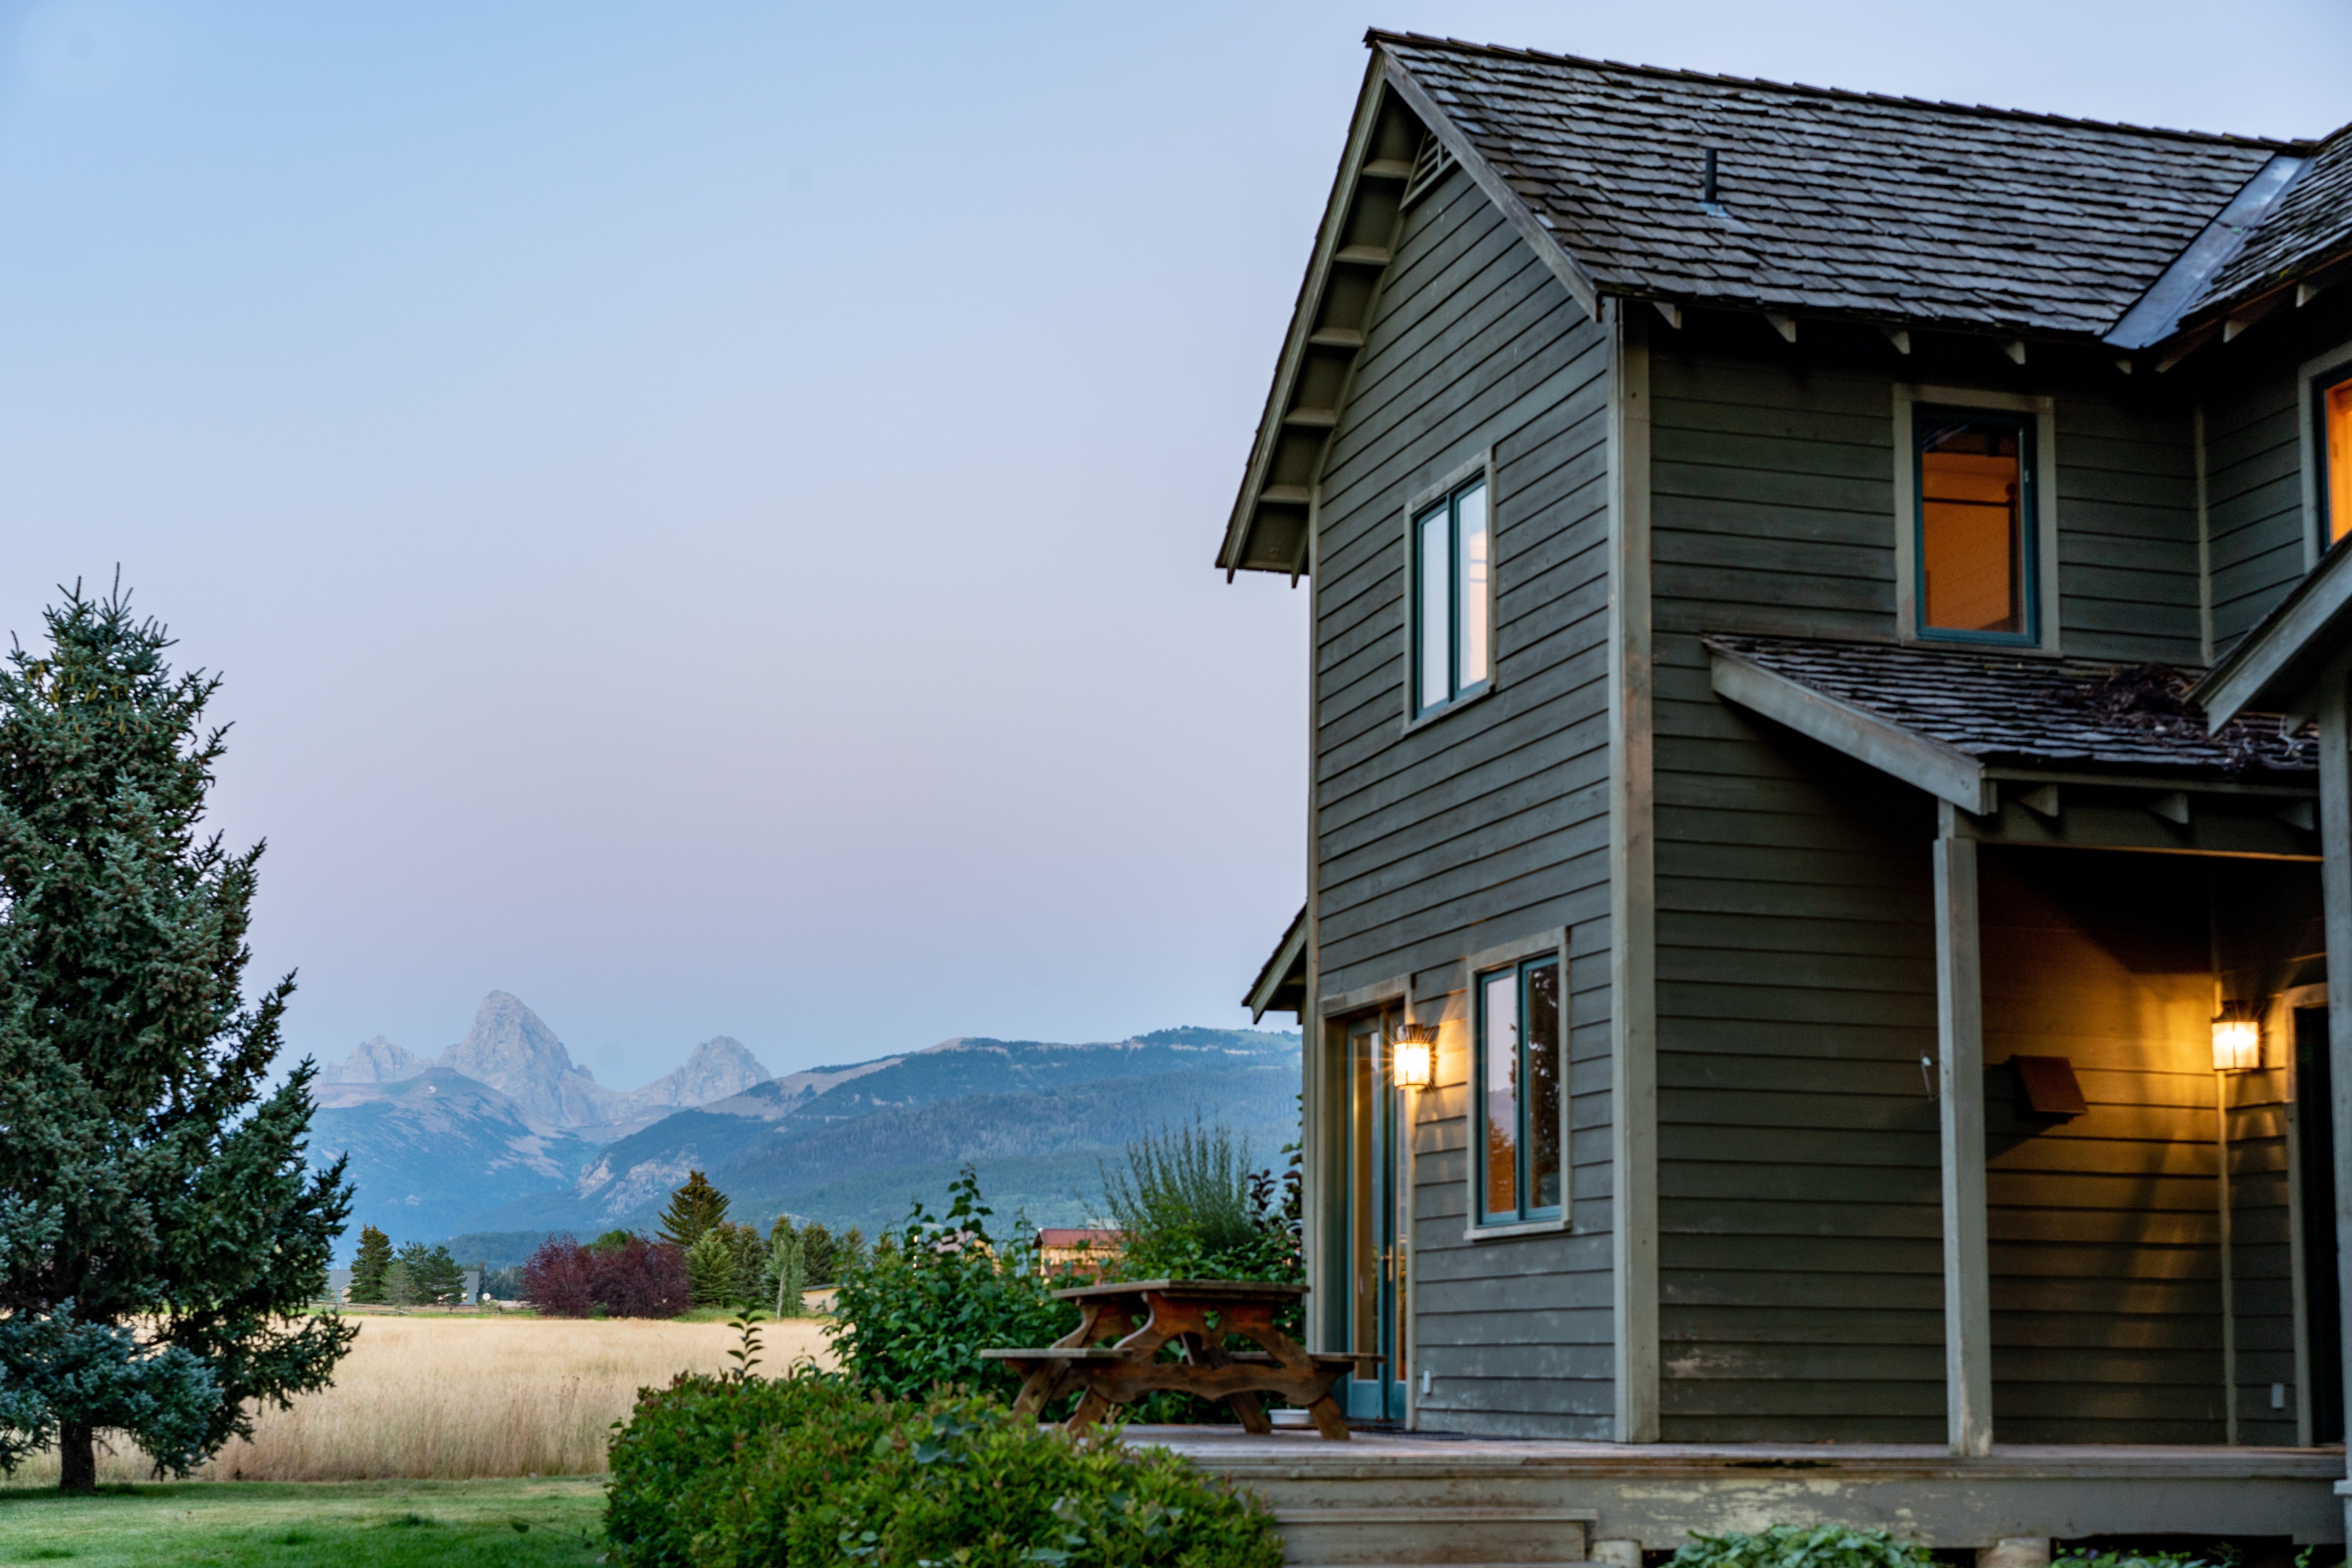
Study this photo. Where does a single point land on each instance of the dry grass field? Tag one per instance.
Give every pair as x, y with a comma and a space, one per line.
457, 1398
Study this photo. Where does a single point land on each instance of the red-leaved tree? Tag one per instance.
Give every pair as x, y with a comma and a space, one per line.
629, 1276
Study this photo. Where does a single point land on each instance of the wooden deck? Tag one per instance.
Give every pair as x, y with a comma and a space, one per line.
1422, 1497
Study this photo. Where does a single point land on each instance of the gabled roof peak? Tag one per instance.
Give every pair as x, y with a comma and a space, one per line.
1377, 36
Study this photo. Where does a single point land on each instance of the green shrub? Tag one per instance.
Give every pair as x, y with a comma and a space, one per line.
916, 1312
1787, 1546
2147, 1560
1188, 1207
963, 1480
684, 1447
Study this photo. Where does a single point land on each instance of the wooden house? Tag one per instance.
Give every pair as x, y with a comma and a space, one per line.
1785, 958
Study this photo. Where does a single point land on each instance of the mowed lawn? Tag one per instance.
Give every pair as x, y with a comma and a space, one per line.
367, 1524
465, 1398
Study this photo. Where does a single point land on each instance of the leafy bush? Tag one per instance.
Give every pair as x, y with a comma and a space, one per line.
810, 1470
687, 1446
631, 1277
1188, 1206
2152, 1560
1787, 1546
918, 1311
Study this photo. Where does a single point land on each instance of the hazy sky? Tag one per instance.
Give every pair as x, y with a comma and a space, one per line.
706, 511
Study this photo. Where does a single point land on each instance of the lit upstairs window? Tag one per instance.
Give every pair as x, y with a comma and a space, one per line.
1976, 546
2335, 429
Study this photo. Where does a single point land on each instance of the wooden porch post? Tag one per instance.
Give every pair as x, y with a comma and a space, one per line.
2335, 893
1960, 1074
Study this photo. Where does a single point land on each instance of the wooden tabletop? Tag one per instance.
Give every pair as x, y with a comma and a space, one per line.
1238, 1289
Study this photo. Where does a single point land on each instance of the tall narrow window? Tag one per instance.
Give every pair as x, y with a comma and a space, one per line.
1451, 564
1976, 544
2335, 413
1522, 1075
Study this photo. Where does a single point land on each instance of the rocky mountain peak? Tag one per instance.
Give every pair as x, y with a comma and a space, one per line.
376, 1061
718, 1068
513, 1051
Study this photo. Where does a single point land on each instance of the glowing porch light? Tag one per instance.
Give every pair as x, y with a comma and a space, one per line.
2237, 1038
1412, 1056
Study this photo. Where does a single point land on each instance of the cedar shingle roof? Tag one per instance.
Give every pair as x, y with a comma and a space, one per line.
1836, 203
2311, 225
2075, 713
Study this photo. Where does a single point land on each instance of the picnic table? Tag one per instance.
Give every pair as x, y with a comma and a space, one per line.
1114, 1353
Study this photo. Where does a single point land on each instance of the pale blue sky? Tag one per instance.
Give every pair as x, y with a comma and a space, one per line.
706, 509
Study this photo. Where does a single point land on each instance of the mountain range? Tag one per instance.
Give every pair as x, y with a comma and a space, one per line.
504, 1133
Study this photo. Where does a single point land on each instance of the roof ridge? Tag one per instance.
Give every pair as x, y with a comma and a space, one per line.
1375, 36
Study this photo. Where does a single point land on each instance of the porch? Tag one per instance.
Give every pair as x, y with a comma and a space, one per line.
1415, 1498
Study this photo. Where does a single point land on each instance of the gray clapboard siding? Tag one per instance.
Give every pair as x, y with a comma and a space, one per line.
1798, 1143
1488, 824
1795, 960
2255, 507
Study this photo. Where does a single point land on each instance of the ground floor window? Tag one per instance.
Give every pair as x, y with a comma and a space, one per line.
1521, 1073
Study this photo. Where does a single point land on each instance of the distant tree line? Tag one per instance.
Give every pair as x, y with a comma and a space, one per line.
698, 1258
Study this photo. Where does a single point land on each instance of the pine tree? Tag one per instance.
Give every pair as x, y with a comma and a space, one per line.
161, 1234
432, 1275
710, 1270
693, 1209
367, 1268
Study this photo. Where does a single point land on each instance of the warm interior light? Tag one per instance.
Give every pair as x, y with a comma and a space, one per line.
1412, 1056
2237, 1039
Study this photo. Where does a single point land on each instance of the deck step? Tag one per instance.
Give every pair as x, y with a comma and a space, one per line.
1429, 1533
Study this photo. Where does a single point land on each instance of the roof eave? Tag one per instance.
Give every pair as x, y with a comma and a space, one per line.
1289, 954
1234, 551
1384, 74
2273, 667
1945, 771
1531, 228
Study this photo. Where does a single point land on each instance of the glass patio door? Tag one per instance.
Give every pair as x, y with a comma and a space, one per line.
1377, 1226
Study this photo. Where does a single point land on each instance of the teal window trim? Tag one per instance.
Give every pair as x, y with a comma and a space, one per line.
1928, 419
1522, 1211
1456, 689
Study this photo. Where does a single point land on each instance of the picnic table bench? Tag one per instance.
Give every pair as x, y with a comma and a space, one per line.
1114, 1353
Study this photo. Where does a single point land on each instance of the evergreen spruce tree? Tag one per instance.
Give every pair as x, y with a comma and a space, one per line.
693, 1209
433, 1276
367, 1268
161, 1234
710, 1270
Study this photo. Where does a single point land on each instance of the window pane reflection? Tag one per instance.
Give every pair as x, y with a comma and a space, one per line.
1436, 631
1545, 1071
1471, 602
1501, 1016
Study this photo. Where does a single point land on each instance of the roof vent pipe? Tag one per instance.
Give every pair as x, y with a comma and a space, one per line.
1709, 193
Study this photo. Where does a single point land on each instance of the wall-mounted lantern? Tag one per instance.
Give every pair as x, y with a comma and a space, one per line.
1413, 1055
2237, 1038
